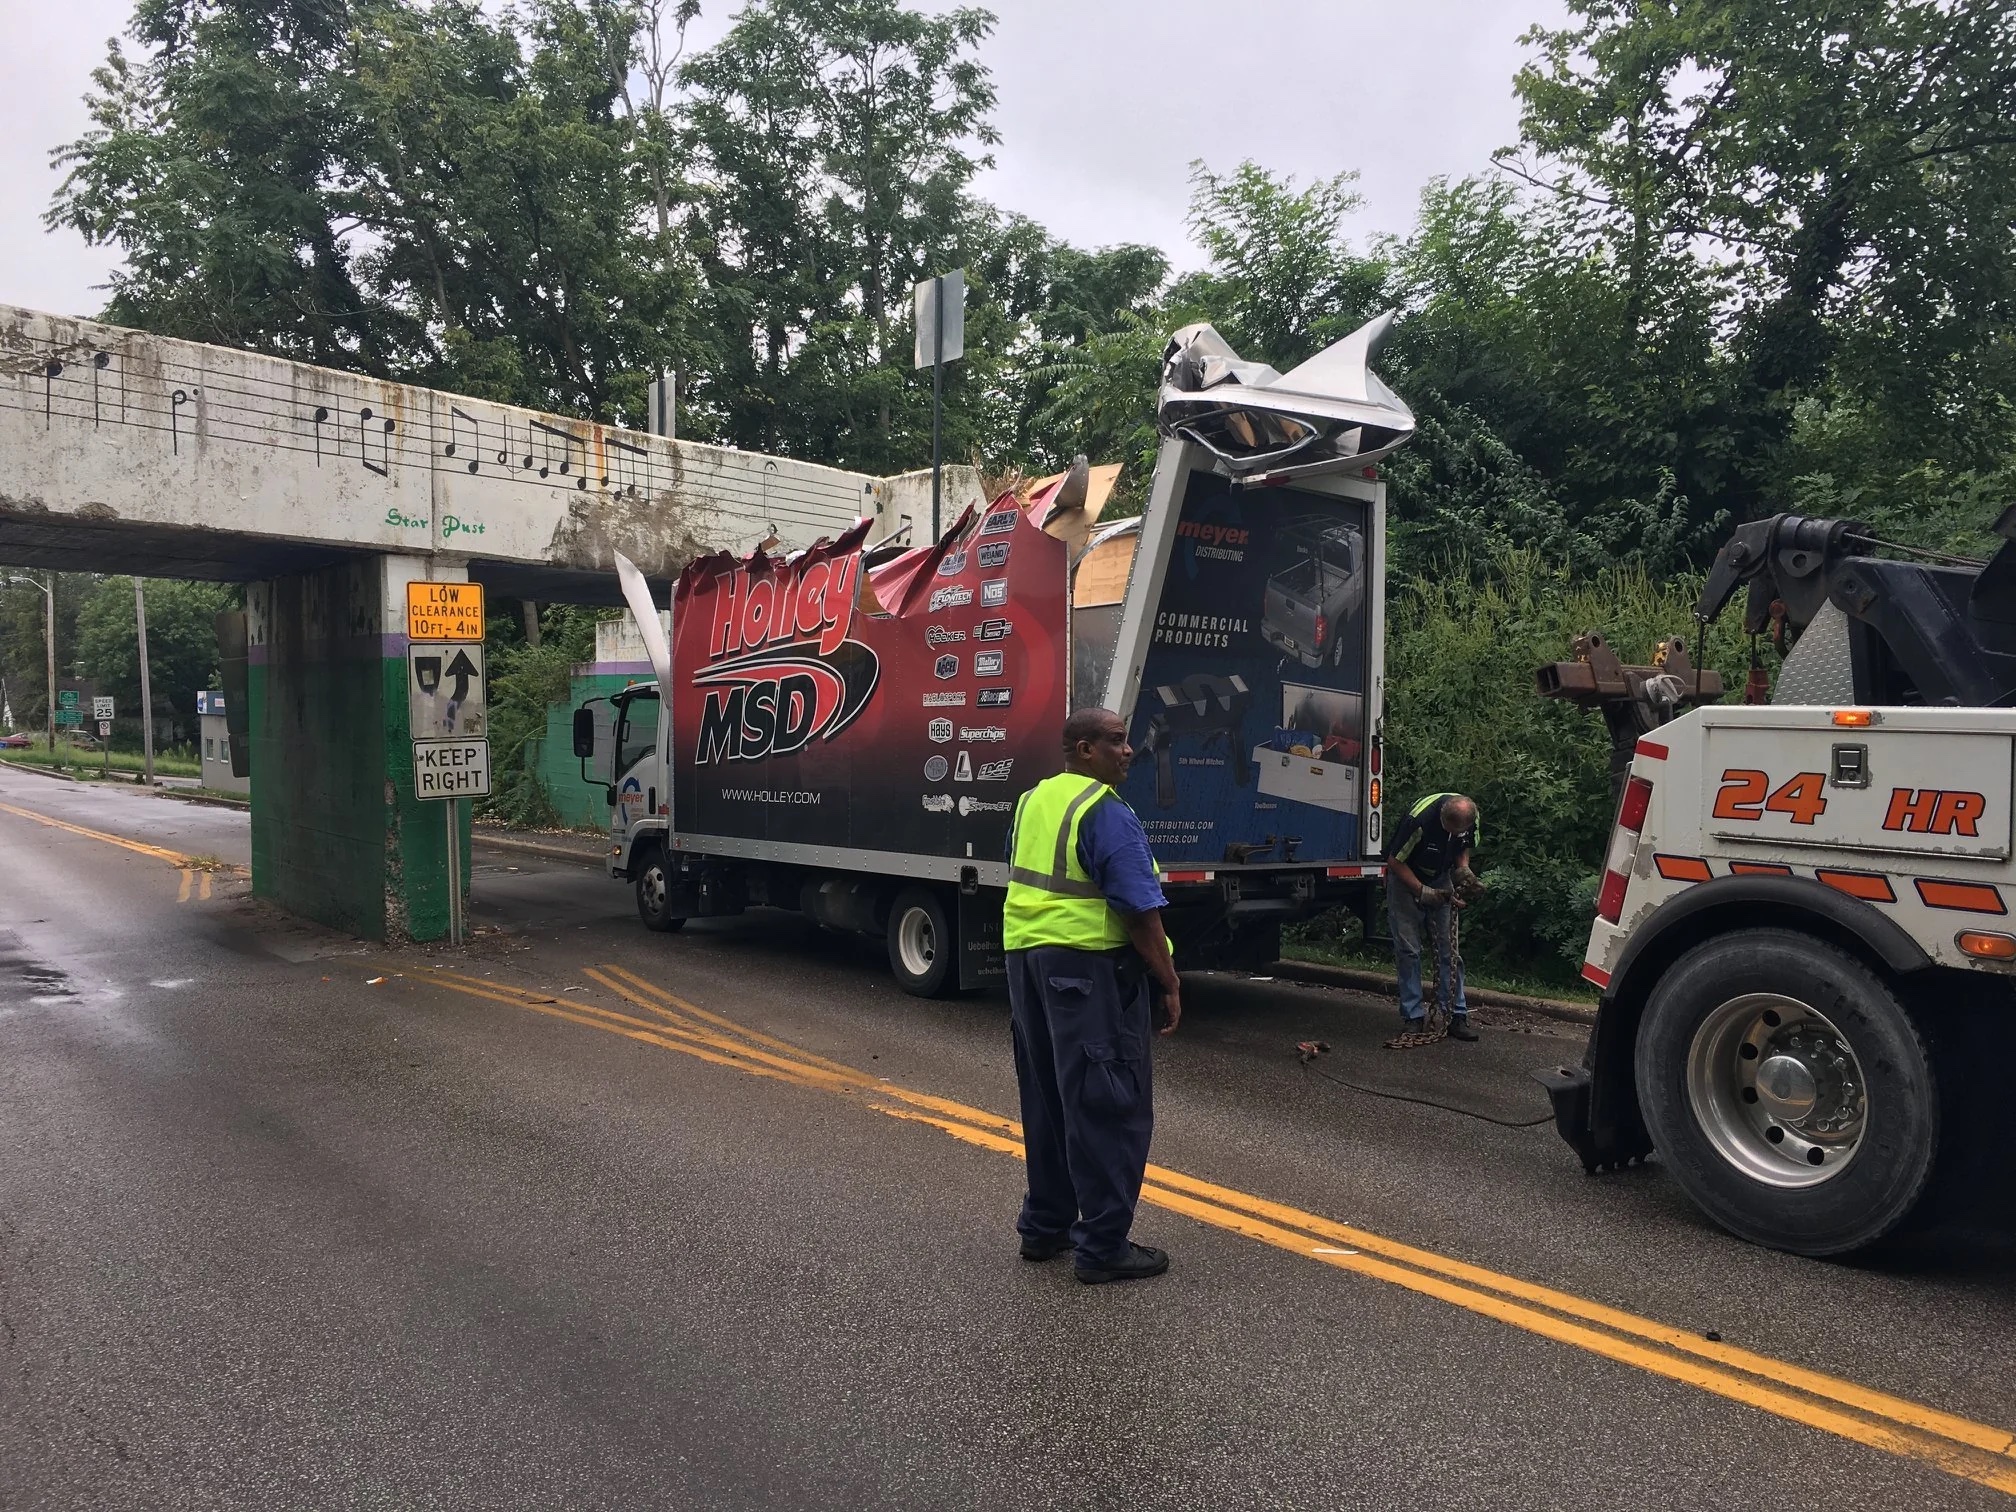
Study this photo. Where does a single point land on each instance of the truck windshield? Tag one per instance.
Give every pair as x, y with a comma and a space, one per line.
636, 728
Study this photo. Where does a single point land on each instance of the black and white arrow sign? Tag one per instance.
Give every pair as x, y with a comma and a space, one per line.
445, 691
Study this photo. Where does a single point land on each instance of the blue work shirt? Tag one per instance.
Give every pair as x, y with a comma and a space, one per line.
1113, 849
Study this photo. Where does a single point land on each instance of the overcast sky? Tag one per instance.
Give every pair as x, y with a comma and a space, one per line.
1103, 104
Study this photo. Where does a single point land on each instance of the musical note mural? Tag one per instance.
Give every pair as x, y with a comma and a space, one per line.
395, 466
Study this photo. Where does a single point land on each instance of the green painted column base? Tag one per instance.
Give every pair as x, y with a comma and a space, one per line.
337, 836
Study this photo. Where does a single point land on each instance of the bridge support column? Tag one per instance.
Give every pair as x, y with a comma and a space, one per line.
336, 833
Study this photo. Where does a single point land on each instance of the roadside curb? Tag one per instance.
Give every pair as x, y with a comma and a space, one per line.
537, 848
210, 798
1316, 974
39, 771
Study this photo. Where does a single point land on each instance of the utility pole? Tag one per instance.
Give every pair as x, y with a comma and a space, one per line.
49, 645
146, 683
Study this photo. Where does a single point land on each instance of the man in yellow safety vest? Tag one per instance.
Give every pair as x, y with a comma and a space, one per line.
1083, 930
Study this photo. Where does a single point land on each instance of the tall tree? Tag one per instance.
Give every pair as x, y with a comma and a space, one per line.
181, 642
1848, 164
835, 142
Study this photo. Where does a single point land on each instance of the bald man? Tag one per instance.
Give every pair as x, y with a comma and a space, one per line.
1423, 855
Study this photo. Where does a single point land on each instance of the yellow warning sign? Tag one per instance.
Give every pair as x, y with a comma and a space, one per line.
444, 611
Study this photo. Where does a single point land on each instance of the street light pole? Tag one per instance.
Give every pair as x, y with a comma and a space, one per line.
48, 644
146, 683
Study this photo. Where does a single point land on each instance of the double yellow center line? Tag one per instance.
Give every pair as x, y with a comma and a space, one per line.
1959, 1446
195, 875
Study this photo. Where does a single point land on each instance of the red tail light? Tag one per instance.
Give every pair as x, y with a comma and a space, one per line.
1623, 845
1637, 799
1322, 629
1610, 901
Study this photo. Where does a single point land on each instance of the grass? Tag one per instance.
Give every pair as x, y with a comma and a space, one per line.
166, 763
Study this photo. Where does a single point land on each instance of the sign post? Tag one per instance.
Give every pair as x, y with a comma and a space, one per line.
941, 338
447, 707
101, 711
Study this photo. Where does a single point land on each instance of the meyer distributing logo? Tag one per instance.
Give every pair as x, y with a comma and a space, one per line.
994, 592
940, 730
937, 803
939, 635
944, 700
996, 771
934, 769
1000, 522
954, 564
986, 663
950, 598
993, 629
946, 666
996, 698
993, 553
982, 733
1214, 535
982, 806
782, 672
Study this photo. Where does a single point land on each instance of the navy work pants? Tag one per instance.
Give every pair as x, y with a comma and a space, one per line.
1088, 1109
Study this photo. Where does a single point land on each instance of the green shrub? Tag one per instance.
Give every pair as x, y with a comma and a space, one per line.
1463, 640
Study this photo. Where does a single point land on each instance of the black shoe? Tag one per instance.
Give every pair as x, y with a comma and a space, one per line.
1139, 1263
1045, 1246
1459, 1028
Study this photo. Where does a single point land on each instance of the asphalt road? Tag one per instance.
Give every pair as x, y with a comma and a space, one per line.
290, 1222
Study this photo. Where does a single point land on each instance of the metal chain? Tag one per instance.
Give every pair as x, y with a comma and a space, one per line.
1442, 1007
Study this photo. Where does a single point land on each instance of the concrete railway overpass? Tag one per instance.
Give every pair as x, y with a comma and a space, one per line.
326, 493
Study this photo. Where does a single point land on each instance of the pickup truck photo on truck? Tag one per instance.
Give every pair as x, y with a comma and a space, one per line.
1310, 604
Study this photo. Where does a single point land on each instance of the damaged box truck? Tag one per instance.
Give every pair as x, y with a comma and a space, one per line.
844, 731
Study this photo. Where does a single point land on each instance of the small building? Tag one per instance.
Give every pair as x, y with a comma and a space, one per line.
217, 747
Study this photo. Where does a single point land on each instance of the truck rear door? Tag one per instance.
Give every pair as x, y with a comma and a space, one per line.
1253, 718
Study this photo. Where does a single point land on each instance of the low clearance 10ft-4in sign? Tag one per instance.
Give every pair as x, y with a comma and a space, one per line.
444, 611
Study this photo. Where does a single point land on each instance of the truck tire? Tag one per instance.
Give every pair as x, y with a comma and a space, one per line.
1789, 1092
654, 892
923, 947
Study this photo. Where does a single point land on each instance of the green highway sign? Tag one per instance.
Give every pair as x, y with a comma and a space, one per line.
67, 699
69, 716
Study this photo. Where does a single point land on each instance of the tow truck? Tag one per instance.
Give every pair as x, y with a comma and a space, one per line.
1803, 934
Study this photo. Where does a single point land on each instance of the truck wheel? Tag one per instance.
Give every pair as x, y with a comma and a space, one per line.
923, 950
1789, 1092
654, 893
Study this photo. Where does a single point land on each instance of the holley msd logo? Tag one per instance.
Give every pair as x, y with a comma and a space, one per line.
781, 671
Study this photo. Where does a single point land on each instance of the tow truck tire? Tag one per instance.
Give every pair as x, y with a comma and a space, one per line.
1789, 1092
923, 948
654, 892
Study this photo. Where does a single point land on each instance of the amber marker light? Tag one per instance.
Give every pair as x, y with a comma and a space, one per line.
1854, 719
1985, 945
1375, 792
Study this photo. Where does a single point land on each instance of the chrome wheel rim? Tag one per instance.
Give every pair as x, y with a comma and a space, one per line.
1777, 1088
916, 942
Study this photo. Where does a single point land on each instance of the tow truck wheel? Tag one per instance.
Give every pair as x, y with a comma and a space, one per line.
654, 893
1789, 1092
922, 951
